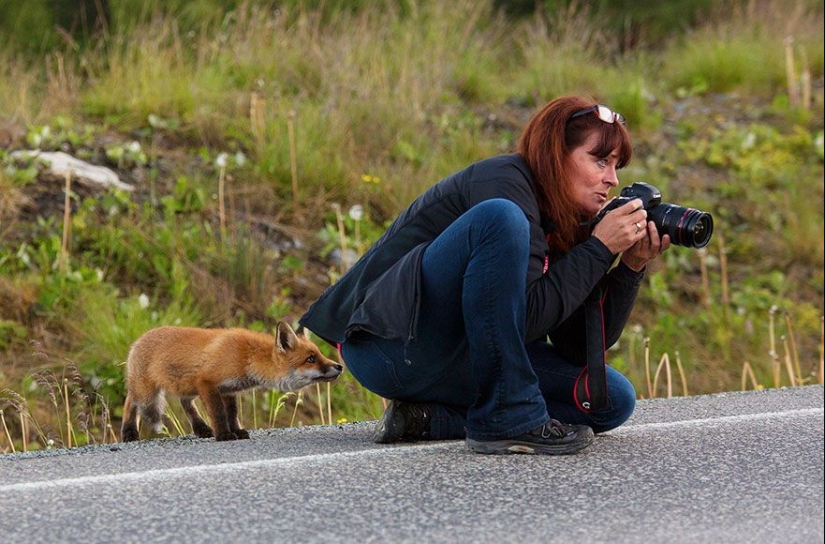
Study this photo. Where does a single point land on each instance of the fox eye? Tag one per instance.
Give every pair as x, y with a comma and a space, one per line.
310, 360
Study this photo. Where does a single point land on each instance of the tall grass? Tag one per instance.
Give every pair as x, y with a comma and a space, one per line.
746, 50
371, 69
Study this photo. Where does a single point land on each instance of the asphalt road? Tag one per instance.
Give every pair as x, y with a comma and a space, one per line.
734, 467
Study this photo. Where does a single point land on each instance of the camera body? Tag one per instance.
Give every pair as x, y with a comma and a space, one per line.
687, 227
647, 193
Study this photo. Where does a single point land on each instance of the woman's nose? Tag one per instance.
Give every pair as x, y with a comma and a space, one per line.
611, 177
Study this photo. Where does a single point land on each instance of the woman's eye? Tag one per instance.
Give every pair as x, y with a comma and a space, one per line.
602, 163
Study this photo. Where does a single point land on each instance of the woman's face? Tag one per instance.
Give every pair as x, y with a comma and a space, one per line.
592, 177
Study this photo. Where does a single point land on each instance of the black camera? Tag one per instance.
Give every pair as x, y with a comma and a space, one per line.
686, 226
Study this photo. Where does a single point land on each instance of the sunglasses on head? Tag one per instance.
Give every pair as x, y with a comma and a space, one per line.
603, 112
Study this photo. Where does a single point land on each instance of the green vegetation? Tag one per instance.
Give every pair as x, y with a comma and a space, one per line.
269, 143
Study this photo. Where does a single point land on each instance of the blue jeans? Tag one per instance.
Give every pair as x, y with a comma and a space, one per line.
469, 361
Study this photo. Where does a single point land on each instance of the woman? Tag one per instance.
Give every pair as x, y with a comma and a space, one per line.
471, 311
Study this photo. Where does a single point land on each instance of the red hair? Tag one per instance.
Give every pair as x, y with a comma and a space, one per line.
545, 145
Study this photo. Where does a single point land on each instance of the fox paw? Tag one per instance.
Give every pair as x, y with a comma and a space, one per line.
229, 435
242, 434
203, 432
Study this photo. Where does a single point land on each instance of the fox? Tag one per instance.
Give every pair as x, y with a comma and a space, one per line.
215, 364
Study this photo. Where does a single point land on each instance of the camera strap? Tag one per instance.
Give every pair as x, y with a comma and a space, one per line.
590, 389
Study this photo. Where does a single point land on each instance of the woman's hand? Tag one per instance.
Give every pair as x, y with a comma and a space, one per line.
645, 250
621, 228
626, 230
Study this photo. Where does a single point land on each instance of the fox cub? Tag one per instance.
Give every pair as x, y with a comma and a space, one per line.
215, 364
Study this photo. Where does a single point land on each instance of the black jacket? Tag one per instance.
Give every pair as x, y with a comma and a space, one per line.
380, 293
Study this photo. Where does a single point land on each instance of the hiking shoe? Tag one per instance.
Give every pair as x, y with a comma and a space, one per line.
552, 438
402, 421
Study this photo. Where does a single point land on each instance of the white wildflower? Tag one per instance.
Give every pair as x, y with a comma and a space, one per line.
356, 212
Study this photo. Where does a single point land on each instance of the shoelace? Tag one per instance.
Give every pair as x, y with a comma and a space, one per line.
555, 429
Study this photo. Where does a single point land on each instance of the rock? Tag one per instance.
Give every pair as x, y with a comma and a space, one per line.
60, 163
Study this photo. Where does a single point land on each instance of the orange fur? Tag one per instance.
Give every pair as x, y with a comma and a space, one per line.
215, 364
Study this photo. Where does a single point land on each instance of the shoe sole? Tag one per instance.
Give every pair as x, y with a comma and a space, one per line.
501, 447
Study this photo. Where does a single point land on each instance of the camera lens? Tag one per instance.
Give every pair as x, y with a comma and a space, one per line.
686, 226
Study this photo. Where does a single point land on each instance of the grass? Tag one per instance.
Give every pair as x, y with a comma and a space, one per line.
258, 135
747, 52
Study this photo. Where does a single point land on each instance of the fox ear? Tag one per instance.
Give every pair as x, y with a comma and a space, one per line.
302, 331
285, 338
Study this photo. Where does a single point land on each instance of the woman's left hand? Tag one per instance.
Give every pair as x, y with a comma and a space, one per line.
646, 249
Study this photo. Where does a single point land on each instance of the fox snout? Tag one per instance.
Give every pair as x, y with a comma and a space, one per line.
320, 369
307, 374
331, 372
